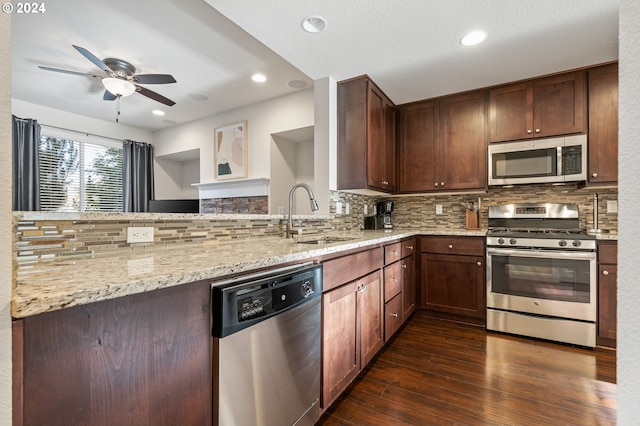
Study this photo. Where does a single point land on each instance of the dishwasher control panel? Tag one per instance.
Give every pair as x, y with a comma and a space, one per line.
240, 303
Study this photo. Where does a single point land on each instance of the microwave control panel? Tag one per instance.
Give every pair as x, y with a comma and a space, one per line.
572, 160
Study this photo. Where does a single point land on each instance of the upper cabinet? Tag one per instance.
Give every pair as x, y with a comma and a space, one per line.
603, 125
366, 137
542, 107
442, 144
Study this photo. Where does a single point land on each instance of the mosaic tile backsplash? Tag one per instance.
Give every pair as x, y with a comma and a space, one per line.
45, 240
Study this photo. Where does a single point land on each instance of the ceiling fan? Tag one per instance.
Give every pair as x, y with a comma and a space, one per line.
120, 79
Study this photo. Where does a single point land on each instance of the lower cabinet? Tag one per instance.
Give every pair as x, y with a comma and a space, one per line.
607, 293
352, 319
143, 359
453, 277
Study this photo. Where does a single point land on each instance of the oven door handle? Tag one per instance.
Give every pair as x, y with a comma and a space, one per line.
548, 254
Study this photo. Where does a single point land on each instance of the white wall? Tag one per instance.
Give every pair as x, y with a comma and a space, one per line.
277, 115
5, 219
628, 224
67, 120
176, 179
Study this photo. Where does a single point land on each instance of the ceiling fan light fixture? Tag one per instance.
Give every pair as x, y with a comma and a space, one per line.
118, 86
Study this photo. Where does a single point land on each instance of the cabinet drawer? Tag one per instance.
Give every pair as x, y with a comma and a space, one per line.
473, 246
392, 252
408, 247
608, 253
348, 268
392, 316
392, 280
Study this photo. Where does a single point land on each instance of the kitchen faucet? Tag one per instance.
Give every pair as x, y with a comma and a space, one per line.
314, 206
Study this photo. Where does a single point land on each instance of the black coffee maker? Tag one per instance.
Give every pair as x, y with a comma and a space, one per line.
384, 211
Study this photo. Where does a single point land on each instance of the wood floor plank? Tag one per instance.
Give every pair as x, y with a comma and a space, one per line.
440, 372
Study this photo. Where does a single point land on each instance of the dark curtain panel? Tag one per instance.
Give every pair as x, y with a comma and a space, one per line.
26, 168
137, 175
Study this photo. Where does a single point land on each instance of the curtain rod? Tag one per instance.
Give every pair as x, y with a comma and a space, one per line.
79, 132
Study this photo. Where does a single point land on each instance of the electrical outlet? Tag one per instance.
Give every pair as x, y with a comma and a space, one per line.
438, 208
366, 209
140, 234
346, 208
339, 207
612, 206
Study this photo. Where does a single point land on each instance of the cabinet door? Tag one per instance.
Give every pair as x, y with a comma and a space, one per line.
370, 315
408, 286
392, 316
352, 133
559, 104
511, 112
340, 347
454, 284
603, 124
607, 300
417, 141
463, 144
380, 141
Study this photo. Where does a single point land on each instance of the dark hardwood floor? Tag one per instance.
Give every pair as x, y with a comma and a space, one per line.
444, 373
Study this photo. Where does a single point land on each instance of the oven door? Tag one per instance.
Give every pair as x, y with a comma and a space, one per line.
543, 282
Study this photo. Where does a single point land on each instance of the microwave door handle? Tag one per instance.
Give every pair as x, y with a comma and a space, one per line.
559, 156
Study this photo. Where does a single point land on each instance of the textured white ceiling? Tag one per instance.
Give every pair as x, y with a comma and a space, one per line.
409, 47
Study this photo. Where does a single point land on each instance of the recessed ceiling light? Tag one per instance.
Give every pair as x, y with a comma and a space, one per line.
297, 84
259, 78
474, 37
157, 112
313, 24
198, 96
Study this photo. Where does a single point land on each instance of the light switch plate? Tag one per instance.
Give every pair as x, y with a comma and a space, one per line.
612, 206
140, 234
438, 208
346, 208
339, 207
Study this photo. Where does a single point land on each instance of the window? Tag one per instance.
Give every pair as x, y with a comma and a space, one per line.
80, 176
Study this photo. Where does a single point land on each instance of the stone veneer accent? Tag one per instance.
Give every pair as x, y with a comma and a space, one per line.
241, 205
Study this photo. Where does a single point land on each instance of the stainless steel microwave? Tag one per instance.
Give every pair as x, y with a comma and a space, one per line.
562, 159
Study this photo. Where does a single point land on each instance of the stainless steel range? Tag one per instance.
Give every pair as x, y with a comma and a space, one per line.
541, 273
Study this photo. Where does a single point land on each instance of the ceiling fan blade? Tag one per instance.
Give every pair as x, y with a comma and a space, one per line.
155, 96
108, 96
69, 72
153, 78
93, 58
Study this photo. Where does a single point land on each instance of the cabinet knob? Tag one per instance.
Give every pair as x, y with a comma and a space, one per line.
435, 184
395, 279
594, 175
404, 266
450, 246
537, 130
529, 131
395, 315
479, 263
410, 247
395, 252
605, 272
441, 183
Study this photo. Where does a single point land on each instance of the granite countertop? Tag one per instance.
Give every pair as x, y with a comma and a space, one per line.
49, 286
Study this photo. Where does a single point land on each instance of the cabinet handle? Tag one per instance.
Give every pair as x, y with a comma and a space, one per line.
594, 175
395, 252
537, 130
529, 131
479, 263
395, 315
450, 246
605, 272
410, 247
395, 279
404, 266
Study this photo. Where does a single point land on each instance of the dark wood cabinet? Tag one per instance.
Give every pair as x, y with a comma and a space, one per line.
442, 144
352, 320
366, 137
143, 359
603, 125
453, 277
408, 286
543, 107
399, 284
607, 293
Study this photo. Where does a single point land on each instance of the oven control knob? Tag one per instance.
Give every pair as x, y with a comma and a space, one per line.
512, 241
500, 240
562, 243
576, 243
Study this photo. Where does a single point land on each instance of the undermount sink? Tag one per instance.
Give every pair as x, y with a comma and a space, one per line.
325, 240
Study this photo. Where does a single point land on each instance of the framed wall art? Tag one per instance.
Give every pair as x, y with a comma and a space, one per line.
230, 151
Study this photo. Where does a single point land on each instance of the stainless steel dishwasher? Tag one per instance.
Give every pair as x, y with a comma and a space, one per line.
266, 346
